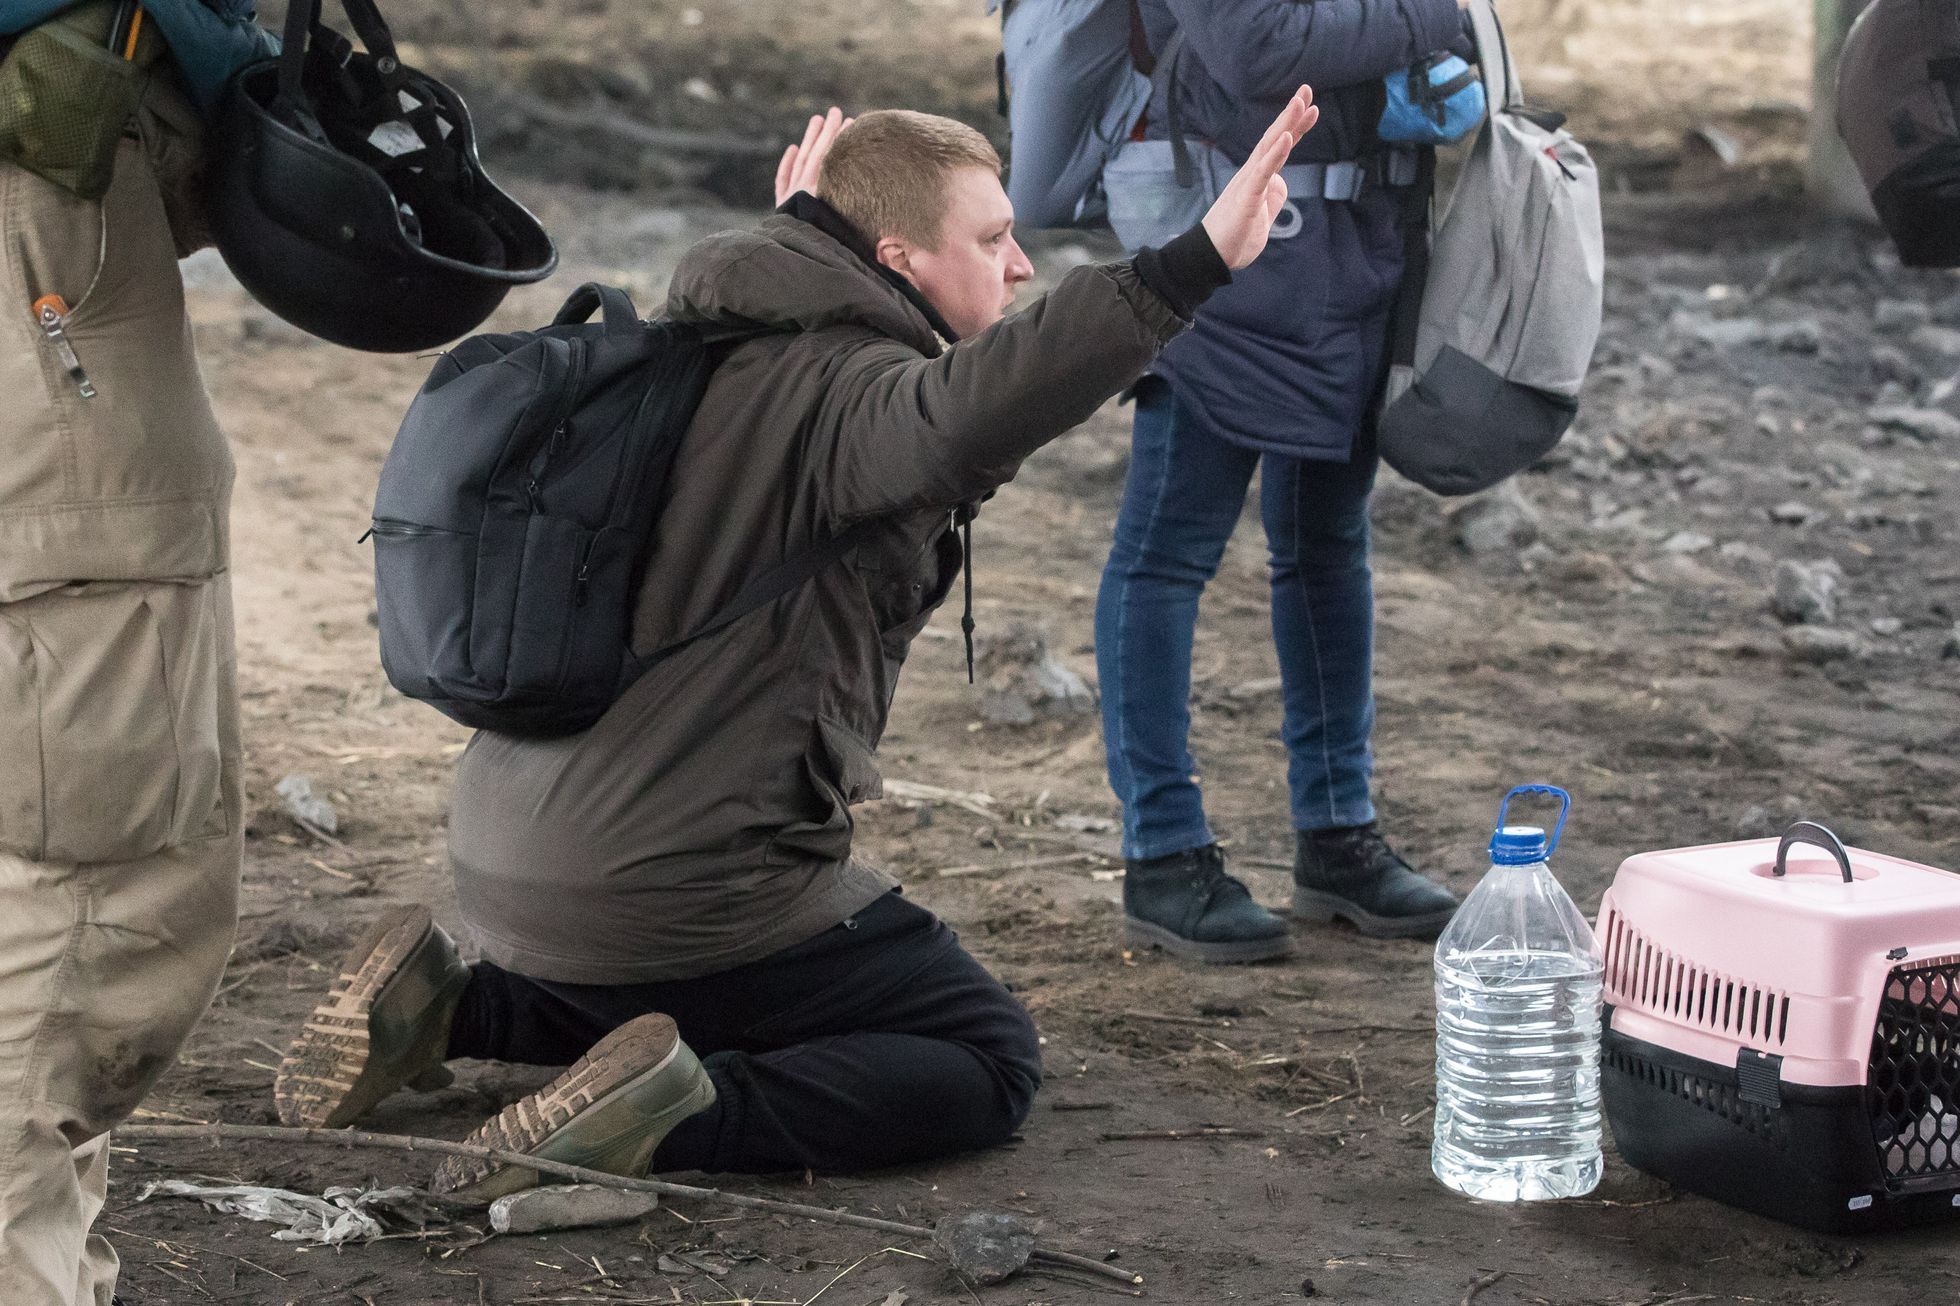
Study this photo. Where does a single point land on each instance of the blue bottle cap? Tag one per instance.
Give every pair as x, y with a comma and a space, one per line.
1518, 845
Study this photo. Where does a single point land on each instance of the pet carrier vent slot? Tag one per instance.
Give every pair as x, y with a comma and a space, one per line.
1912, 1083
1721, 1100
1646, 976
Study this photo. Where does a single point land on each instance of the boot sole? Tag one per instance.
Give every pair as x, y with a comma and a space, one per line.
1226, 952
328, 1078
542, 1123
1314, 907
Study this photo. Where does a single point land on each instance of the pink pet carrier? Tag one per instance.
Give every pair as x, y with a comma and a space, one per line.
1782, 1029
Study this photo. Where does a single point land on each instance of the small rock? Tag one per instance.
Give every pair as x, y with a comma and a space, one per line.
1743, 551
1497, 523
1951, 649
1894, 316
1887, 626
1924, 423
1721, 333
568, 1206
1806, 591
1938, 340
1820, 644
303, 805
1947, 311
985, 1246
1792, 513
1264, 687
1804, 337
1890, 365
700, 88
1081, 824
1021, 679
1686, 542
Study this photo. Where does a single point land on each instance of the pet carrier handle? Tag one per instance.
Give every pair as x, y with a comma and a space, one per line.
1564, 809
1812, 833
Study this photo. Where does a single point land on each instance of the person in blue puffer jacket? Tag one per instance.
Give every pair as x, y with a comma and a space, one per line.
121, 811
1281, 373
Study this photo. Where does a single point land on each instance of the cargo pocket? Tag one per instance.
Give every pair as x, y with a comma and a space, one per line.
114, 691
841, 771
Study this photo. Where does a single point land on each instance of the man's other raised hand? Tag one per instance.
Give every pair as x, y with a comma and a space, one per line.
1243, 213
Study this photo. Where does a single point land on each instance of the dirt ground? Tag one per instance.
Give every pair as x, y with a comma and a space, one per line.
1768, 387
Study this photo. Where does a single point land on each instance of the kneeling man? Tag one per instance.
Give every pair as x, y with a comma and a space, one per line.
668, 901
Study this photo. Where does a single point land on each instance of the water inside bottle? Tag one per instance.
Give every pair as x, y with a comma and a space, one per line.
1517, 1075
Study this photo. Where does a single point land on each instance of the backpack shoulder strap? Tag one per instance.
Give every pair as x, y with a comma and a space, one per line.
781, 579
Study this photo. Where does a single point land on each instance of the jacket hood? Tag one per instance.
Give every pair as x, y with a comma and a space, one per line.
789, 274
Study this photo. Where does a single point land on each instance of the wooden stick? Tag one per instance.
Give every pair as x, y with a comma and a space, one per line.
1028, 864
1479, 1285
1176, 1135
577, 1173
1163, 1018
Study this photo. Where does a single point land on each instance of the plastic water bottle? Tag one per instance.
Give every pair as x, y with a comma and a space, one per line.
1517, 1029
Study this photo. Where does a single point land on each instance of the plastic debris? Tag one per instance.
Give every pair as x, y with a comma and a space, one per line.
340, 1215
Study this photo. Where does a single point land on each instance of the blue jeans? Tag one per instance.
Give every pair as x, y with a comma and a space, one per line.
1185, 491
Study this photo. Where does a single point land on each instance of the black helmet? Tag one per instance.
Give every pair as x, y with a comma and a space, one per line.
347, 196
1898, 109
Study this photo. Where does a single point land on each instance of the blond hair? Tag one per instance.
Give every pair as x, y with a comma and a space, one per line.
887, 172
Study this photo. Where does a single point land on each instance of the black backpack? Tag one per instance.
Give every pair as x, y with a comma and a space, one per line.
515, 509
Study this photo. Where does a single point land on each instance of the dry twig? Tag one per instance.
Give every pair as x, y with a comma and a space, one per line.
578, 1174
1177, 1135
1479, 1285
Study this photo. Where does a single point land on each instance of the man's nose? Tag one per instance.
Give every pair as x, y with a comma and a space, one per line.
1018, 267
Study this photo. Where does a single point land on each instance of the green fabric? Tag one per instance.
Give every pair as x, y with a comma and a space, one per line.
65, 99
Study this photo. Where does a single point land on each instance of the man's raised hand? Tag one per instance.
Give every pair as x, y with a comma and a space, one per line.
1243, 213
802, 164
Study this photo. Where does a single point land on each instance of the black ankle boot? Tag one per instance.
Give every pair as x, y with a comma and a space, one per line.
1353, 873
1187, 905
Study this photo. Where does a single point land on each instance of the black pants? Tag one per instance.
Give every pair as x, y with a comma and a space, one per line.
877, 1042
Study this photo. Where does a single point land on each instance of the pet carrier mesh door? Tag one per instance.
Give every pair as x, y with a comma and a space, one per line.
1912, 1090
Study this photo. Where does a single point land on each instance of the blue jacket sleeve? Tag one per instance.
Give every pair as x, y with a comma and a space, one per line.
1259, 49
210, 41
19, 15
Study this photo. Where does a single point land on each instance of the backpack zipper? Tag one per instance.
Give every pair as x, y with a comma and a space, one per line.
581, 582
390, 528
561, 420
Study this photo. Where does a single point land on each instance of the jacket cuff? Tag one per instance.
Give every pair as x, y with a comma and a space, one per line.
1185, 272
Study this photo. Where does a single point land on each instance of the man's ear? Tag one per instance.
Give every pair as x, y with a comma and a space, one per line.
896, 255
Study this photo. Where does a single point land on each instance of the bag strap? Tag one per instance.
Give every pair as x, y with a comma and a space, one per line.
1407, 313
773, 584
617, 305
1164, 79
1502, 89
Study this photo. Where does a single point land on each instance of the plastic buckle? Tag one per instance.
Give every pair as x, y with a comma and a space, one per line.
1342, 181
1400, 168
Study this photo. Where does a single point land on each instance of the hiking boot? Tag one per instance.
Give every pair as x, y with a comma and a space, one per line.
608, 1112
1187, 905
383, 1026
1352, 873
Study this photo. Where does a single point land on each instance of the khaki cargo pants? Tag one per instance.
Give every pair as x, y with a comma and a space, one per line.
119, 759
